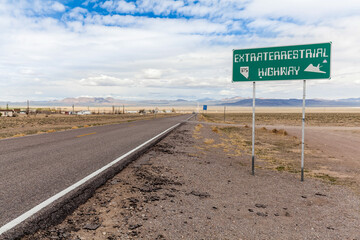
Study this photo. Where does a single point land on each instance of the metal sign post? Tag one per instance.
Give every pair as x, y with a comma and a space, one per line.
303, 132
297, 62
253, 134
224, 112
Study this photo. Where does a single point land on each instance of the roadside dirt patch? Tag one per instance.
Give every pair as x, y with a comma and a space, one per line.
185, 188
332, 143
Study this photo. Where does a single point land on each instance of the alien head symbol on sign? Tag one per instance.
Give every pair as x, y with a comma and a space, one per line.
244, 71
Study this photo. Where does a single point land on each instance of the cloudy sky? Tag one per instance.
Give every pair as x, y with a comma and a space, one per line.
166, 49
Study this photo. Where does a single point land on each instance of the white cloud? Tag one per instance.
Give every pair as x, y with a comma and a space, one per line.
212, 9
307, 11
19, 7
159, 7
28, 71
84, 50
156, 25
152, 73
104, 80
227, 93
120, 6
77, 13
125, 7
58, 7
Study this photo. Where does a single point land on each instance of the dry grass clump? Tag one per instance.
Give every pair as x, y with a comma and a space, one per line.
279, 132
209, 141
326, 177
19, 135
229, 130
198, 127
204, 118
196, 133
214, 129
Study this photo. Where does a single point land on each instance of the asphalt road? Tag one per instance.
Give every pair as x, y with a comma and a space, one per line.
34, 168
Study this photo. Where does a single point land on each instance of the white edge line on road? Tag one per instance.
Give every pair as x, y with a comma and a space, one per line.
52, 199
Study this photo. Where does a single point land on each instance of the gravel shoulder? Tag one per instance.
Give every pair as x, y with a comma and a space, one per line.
187, 187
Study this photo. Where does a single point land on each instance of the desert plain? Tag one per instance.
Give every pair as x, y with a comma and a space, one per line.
197, 183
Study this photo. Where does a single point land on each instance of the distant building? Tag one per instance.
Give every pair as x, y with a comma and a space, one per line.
84, 113
7, 113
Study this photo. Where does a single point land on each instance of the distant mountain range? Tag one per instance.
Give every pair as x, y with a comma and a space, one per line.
351, 102
235, 101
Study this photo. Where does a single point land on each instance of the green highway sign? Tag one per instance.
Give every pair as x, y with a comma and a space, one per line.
298, 62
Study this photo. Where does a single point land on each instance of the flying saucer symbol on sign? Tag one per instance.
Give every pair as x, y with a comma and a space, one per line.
244, 71
312, 68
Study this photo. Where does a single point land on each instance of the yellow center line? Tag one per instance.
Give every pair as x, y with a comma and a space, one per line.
86, 134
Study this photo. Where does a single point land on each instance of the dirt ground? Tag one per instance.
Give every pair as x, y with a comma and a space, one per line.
331, 144
43, 123
196, 184
348, 119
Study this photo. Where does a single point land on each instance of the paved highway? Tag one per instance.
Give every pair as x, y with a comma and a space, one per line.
34, 168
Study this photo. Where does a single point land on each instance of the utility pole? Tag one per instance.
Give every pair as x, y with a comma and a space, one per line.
28, 108
224, 112
113, 109
123, 109
73, 112
197, 112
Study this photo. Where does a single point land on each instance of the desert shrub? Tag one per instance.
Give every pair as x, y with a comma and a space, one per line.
275, 131
280, 132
